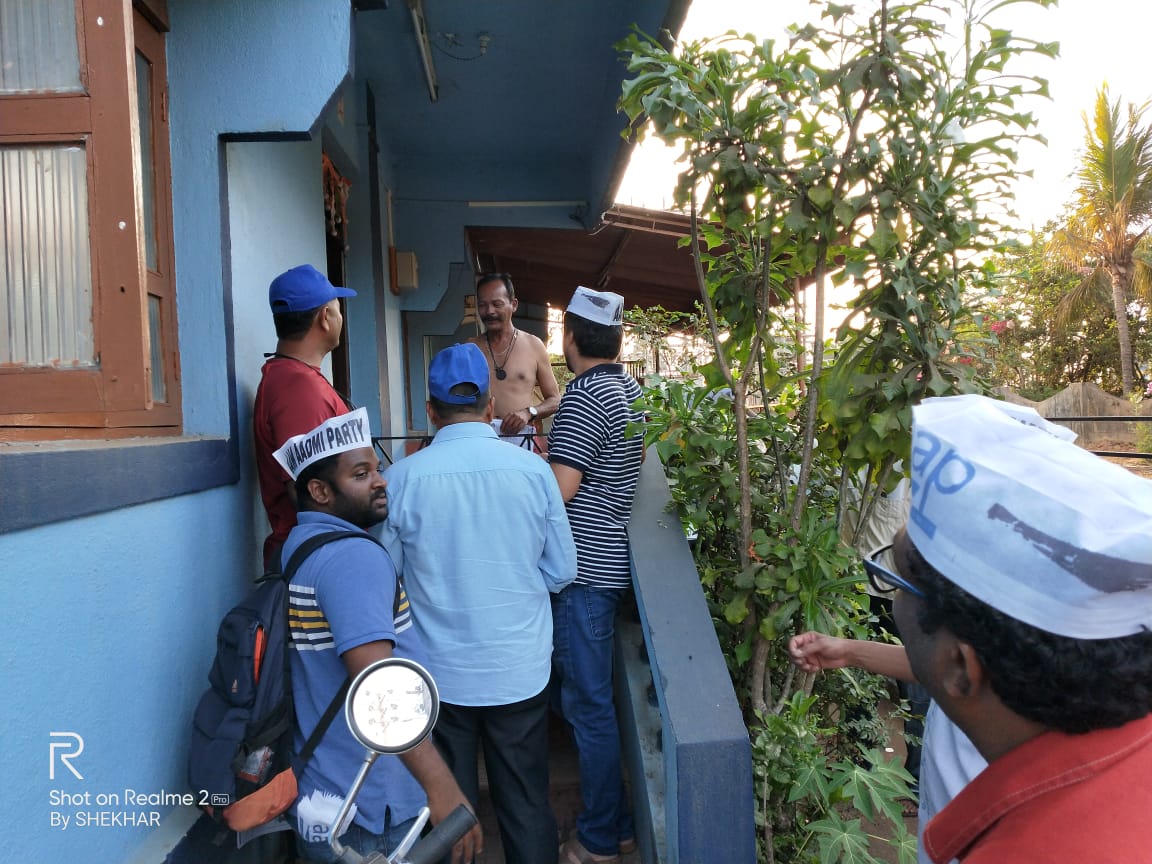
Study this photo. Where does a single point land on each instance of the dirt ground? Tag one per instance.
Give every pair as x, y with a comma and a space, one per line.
1137, 465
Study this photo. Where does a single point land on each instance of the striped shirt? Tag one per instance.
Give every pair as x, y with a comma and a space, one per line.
588, 434
310, 629
346, 594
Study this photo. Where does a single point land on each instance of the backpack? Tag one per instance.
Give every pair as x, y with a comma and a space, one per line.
240, 763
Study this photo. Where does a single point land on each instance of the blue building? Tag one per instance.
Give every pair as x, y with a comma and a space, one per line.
160, 163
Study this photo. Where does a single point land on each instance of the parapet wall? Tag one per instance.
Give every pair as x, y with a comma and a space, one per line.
1088, 400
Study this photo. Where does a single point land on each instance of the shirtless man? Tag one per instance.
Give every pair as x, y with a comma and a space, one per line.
517, 361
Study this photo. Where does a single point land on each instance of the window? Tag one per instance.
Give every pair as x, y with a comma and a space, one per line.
88, 338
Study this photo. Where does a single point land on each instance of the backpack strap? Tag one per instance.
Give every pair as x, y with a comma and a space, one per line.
315, 542
314, 739
298, 557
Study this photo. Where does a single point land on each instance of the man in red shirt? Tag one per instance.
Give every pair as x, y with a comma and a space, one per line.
1024, 601
294, 396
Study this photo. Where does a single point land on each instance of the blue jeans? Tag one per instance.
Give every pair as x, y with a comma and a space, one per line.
359, 838
584, 626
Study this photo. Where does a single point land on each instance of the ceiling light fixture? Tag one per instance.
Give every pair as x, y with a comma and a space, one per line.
527, 203
420, 24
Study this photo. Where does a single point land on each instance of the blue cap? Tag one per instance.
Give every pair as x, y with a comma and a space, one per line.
460, 364
301, 289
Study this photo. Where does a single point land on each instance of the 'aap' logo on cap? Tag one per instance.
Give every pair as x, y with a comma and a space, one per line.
935, 469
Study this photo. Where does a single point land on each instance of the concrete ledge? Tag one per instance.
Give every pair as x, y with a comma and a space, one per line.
707, 758
55, 481
641, 739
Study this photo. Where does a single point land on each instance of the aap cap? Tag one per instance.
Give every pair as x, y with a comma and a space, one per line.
345, 432
1008, 508
303, 288
460, 364
599, 307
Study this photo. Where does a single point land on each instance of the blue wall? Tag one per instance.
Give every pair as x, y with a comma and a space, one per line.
275, 221
706, 784
114, 619
115, 613
234, 68
434, 230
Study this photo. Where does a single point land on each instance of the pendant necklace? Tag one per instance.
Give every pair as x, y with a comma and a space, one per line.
499, 367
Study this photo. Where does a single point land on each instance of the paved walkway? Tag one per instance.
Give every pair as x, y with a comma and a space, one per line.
565, 786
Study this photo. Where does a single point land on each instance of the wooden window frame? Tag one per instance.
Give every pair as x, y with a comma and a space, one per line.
114, 399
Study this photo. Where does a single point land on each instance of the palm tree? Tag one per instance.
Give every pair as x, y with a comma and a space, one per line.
1104, 238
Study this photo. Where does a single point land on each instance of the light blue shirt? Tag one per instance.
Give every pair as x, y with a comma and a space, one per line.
480, 535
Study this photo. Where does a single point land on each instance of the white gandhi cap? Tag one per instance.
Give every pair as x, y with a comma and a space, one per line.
346, 432
1008, 508
599, 307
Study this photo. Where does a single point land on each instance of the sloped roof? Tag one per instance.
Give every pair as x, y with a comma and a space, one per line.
634, 252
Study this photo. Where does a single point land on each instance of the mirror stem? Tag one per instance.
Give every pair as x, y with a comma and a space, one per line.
349, 799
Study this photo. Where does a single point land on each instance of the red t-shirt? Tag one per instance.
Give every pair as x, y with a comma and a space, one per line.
1058, 797
293, 398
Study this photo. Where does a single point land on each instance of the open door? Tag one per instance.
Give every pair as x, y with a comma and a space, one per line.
336, 190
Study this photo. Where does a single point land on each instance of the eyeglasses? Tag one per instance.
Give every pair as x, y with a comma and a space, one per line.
883, 579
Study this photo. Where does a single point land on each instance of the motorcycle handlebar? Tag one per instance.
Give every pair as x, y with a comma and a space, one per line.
440, 840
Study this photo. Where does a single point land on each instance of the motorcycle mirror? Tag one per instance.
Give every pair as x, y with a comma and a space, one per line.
392, 705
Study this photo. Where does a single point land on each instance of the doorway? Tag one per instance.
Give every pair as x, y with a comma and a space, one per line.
336, 190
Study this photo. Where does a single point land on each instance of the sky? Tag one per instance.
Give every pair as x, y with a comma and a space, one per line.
1100, 41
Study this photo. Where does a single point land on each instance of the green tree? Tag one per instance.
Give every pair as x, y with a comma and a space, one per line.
669, 340
1105, 238
1031, 349
842, 157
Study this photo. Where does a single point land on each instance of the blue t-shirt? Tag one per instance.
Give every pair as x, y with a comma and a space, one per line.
480, 533
344, 596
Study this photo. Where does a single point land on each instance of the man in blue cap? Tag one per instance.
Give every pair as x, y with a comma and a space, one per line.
294, 396
480, 534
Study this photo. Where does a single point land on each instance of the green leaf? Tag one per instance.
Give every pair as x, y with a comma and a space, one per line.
883, 239
767, 628
810, 781
743, 652
736, 610
821, 196
845, 213
796, 221
840, 841
746, 578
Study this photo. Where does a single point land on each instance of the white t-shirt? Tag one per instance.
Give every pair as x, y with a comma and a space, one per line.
888, 515
520, 439
948, 763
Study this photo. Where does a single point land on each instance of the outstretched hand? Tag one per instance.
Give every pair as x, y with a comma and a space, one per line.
812, 651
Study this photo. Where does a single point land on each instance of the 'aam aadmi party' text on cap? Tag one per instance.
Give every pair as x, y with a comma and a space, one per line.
341, 433
1007, 507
